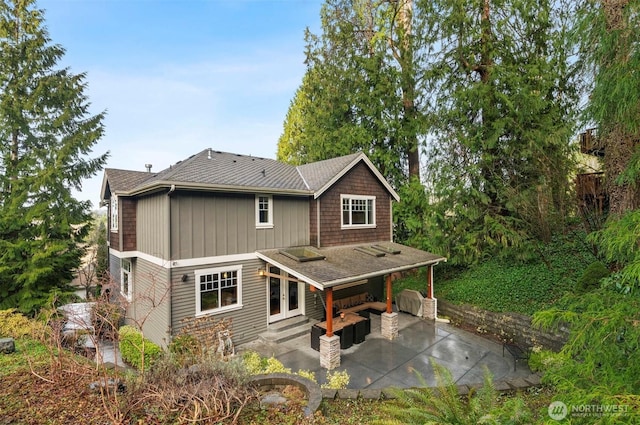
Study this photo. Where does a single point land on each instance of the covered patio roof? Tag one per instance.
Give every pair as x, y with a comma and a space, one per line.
332, 266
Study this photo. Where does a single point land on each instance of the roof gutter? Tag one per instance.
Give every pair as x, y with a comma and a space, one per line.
220, 188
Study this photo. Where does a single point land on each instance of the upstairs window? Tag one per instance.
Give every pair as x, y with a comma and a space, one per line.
264, 211
358, 211
218, 289
114, 213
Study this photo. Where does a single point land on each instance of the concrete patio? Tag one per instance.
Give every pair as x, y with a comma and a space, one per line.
378, 363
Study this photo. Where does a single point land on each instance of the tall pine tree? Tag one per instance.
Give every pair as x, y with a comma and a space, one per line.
47, 134
609, 36
360, 91
504, 111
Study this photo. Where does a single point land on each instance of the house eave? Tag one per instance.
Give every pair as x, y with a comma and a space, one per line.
205, 187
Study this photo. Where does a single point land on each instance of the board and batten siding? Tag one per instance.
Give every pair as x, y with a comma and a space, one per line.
247, 322
149, 308
209, 225
153, 225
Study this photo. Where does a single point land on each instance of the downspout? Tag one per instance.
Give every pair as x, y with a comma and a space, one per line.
169, 258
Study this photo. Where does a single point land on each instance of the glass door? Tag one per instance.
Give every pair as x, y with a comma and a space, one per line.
294, 301
276, 296
286, 297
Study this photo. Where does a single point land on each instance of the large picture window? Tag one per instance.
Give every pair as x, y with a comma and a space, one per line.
114, 213
126, 279
264, 211
218, 289
358, 211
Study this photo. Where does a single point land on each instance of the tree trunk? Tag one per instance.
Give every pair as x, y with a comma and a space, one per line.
619, 143
409, 89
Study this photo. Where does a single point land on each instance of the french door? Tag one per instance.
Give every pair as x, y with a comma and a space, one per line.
286, 297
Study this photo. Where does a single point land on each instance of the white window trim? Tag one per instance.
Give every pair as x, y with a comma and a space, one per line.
357, 226
269, 224
129, 294
236, 306
113, 214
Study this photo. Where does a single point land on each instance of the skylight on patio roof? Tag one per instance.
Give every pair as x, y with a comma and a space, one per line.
302, 254
386, 249
370, 251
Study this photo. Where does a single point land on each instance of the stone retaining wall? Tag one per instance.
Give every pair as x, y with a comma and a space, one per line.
512, 327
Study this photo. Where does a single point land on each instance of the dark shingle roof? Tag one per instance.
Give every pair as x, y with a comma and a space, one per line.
344, 264
318, 174
125, 180
216, 168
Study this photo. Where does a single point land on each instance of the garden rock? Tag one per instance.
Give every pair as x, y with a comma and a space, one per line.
108, 384
7, 345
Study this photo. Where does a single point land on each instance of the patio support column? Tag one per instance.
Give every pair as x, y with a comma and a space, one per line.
389, 319
329, 343
329, 312
389, 294
430, 304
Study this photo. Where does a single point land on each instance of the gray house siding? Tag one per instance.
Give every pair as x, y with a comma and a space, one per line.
314, 304
149, 308
114, 268
153, 225
209, 225
247, 322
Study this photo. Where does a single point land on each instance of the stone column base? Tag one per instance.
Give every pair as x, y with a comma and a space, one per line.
330, 352
389, 325
430, 308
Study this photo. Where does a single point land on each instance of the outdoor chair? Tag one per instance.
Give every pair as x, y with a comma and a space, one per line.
360, 331
346, 336
316, 333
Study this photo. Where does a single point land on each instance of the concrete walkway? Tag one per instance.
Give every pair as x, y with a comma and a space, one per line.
378, 363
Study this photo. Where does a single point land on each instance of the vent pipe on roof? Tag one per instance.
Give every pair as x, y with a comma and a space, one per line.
148, 167
209, 154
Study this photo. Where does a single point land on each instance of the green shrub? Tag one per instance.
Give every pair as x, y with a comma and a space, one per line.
15, 325
186, 345
591, 277
137, 350
337, 380
255, 364
541, 360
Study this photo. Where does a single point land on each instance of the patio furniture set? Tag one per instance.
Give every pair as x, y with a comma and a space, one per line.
351, 322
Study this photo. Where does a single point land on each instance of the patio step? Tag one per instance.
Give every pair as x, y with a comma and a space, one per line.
287, 329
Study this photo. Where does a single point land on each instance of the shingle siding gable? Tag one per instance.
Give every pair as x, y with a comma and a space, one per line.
358, 181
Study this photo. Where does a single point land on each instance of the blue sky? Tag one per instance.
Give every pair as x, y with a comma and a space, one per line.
178, 76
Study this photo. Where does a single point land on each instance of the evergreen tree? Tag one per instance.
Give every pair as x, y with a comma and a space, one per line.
609, 36
360, 91
503, 116
47, 134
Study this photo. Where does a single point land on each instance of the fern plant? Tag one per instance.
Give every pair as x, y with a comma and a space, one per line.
445, 405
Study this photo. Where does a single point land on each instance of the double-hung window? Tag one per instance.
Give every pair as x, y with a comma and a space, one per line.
126, 279
114, 213
218, 289
358, 211
264, 211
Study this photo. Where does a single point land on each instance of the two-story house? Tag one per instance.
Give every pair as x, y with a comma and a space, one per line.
252, 239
